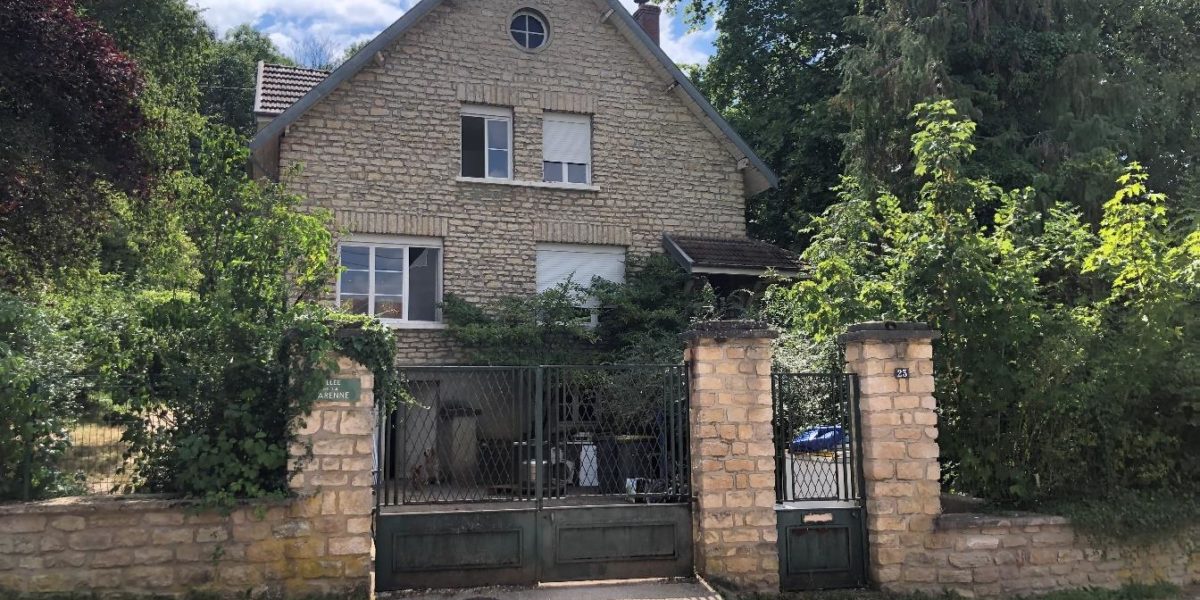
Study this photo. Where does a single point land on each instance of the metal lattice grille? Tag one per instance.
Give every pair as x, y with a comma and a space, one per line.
554, 435
816, 436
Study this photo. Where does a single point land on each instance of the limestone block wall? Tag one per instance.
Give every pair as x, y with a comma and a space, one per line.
899, 439
318, 542
733, 455
986, 555
383, 151
914, 547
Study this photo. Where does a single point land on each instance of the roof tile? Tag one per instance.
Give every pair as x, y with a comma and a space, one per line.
734, 253
280, 86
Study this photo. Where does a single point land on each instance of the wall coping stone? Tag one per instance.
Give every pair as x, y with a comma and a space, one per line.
1014, 519
888, 331
76, 504
730, 329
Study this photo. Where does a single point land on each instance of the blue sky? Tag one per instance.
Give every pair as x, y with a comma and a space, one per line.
343, 22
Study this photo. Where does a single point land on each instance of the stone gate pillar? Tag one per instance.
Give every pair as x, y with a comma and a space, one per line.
894, 364
335, 484
733, 454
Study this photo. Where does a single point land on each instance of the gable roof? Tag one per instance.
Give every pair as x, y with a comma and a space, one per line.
762, 177
278, 87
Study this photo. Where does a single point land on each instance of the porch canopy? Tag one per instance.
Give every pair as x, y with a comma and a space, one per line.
730, 256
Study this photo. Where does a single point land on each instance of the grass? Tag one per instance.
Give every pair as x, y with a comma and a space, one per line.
1156, 591
96, 455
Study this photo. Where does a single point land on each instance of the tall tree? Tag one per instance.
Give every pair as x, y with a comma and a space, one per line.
69, 116
227, 89
773, 75
186, 63
1063, 92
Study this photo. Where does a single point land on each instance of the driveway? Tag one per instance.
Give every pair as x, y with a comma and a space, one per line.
590, 590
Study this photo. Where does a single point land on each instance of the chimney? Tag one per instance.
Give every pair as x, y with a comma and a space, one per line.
646, 15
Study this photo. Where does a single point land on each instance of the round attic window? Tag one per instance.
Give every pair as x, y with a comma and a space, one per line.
528, 29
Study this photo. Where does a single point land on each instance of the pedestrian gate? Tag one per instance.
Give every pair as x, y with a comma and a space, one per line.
519, 475
818, 487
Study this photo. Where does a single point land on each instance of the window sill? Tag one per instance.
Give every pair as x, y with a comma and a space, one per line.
581, 187
395, 324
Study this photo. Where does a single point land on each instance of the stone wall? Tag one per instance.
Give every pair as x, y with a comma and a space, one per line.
985, 555
383, 150
913, 546
317, 542
733, 455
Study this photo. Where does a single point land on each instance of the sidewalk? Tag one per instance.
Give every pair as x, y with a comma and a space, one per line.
587, 590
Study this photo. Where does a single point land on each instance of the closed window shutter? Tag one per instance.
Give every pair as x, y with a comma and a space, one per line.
580, 264
567, 139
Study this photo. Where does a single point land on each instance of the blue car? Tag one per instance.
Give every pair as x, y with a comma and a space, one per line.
820, 439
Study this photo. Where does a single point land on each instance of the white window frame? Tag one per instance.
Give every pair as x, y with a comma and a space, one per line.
389, 241
488, 113
578, 119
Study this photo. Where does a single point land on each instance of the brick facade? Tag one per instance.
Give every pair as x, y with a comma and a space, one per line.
383, 150
733, 455
319, 542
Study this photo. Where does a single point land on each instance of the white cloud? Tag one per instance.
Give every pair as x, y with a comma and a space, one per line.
343, 22
684, 47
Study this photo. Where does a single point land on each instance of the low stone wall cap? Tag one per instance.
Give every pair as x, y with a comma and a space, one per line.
889, 326
740, 328
888, 331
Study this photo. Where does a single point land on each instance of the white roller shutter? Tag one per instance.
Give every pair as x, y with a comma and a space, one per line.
557, 263
567, 138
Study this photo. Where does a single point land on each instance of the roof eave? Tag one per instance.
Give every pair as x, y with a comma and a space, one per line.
747, 271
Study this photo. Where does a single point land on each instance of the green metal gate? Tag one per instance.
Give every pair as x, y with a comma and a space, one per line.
818, 481
519, 475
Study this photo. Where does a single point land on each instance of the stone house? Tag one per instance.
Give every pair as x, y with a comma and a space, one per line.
489, 148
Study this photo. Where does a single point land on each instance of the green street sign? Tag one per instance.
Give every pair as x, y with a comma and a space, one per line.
341, 390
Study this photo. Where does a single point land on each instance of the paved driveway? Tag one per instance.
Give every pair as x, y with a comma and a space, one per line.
592, 590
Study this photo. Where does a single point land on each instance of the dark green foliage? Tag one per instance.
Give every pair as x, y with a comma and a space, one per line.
1065, 367
1128, 518
544, 329
773, 75
640, 321
193, 69
38, 399
195, 310
1061, 91
227, 87
69, 114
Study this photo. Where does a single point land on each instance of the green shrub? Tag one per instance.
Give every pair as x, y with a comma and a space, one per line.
1068, 366
39, 399
638, 321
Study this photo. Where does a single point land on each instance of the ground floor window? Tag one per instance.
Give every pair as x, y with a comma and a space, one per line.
397, 280
579, 264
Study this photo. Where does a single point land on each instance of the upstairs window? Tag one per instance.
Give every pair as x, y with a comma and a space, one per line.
398, 280
528, 29
487, 142
567, 148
